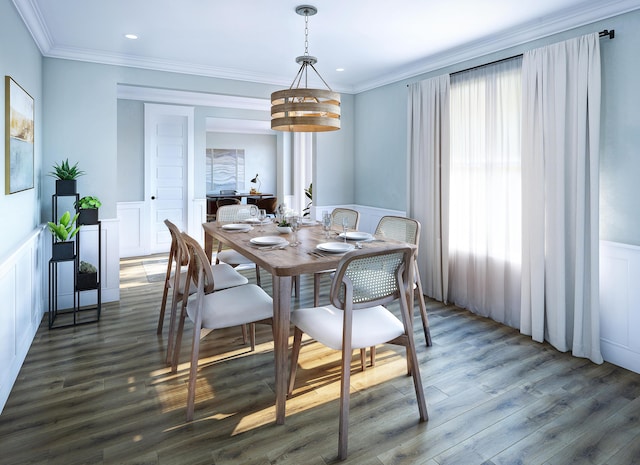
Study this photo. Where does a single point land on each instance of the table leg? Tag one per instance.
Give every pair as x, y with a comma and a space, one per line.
281, 323
208, 245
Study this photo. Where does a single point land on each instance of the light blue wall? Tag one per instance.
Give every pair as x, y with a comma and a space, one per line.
381, 131
334, 162
20, 59
130, 157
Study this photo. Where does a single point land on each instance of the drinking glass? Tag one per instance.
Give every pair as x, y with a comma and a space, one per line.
345, 227
262, 216
294, 221
326, 224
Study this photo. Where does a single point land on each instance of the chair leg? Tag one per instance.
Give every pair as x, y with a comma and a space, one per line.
178, 341
165, 294
172, 325
252, 336
258, 276
295, 352
372, 354
193, 372
363, 359
316, 289
163, 305
422, 306
295, 286
417, 380
345, 384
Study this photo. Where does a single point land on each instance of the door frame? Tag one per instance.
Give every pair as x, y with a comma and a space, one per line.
151, 113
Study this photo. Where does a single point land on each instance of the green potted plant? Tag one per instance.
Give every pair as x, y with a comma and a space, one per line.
309, 194
66, 175
87, 207
63, 231
87, 276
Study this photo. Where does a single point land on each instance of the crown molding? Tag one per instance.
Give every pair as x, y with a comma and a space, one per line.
562, 21
543, 27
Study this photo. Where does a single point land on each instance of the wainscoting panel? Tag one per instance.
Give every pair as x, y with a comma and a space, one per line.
110, 266
133, 229
22, 309
620, 304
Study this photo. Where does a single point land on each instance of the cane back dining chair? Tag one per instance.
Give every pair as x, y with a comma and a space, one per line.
231, 213
240, 305
176, 277
337, 215
366, 281
407, 230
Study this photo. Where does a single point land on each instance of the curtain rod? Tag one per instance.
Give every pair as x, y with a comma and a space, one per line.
606, 33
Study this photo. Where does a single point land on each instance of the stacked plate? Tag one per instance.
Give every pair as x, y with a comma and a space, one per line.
237, 227
268, 241
357, 236
335, 247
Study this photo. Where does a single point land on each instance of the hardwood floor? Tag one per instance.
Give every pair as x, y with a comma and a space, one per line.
101, 394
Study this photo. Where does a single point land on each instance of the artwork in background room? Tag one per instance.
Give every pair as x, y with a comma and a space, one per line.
225, 170
19, 138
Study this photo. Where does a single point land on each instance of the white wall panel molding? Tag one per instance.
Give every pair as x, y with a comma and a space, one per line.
133, 229
620, 304
21, 292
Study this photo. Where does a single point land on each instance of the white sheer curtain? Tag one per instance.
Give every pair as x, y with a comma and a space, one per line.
561, 127
485, 191
428, 164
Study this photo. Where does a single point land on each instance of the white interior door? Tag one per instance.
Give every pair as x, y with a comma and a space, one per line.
168, 159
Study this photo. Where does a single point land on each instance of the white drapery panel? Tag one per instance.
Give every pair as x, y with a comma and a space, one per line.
485, 191
560, 150
428, 164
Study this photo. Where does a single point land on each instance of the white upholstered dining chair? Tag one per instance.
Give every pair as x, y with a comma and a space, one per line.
233, 213
176, 277
247, 304
366, 281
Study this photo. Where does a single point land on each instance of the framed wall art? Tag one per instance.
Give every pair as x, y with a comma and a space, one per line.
19, 138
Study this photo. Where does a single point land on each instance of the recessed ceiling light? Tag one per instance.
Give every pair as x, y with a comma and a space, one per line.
339, 69
131, 36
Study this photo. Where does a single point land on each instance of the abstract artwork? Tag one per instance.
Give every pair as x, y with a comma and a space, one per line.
19, 138
225, 170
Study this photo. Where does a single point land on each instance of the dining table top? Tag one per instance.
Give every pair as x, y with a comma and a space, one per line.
288, 260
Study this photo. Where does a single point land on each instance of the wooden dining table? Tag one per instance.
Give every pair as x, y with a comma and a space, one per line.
283, 264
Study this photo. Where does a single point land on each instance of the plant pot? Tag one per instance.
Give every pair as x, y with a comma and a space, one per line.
87, 281
63, 250
66, 186
88, 216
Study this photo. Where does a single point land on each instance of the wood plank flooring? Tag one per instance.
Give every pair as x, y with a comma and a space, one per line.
101, 394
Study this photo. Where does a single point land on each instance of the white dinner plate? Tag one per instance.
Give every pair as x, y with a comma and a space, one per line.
268, 240
308, 222
335, 247
237, 227
357, 236
256, 221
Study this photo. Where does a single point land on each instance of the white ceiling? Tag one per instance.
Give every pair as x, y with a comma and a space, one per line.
375, 41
